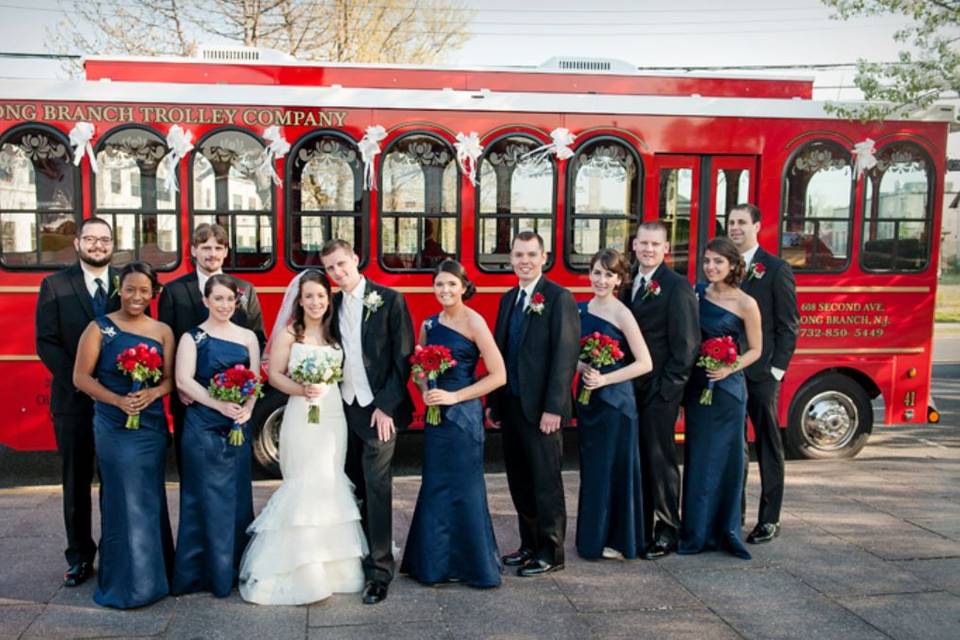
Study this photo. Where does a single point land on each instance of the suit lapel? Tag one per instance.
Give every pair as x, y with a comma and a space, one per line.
196, 298
80, 288
113, 293
654, 277
529, 311
363, 312
503, 318
748, 282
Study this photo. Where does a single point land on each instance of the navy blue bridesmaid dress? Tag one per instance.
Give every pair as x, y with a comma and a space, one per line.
610, 509
136, 545
713, 448
216, 497
451, 536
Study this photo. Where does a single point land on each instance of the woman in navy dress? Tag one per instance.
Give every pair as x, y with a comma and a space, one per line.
713, 448
136, 546
216, 499
610, 508
451, 536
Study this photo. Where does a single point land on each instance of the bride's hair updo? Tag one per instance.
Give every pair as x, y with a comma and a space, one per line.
299, 324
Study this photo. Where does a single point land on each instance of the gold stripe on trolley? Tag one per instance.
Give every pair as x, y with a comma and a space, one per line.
20, 289
863, 289
878, 350
20, 358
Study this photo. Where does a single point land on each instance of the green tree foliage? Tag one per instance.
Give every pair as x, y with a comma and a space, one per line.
927, 69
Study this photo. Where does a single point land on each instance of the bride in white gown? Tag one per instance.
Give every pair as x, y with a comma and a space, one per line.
307, 542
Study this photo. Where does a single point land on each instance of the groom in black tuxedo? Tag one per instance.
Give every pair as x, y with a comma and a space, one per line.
770, 281
666, 309
68, 301
538, 333
181, 304
373, 327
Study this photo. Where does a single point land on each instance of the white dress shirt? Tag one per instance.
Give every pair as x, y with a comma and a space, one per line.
355, 383
646, 280
90, 277
202, 279
529, 289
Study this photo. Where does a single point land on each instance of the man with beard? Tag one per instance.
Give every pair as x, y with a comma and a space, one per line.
69, 300
181, 304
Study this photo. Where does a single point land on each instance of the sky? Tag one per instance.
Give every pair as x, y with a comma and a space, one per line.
644, 33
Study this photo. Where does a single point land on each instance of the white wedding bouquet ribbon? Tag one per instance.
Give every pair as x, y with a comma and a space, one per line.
80, 137
179, 143
560, 147
469, 151
369, 147
866, 156
277, 148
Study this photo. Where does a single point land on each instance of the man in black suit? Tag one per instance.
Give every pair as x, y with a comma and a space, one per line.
538, 333
770, 281
665, 307
69, 300
374, 329
181, 304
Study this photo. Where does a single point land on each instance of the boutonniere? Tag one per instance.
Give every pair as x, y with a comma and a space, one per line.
652, 289
756, 271
116, 286
537, 304
242, 297
372, 303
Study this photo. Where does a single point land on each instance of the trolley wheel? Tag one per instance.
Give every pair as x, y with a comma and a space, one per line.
266, 420
830, 417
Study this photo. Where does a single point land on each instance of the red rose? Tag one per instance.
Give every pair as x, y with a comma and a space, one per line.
129, 365
537, 298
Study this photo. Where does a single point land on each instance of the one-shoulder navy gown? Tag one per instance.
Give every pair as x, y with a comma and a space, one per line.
713, 448
216, 498
451, 535
610, 509
136, 545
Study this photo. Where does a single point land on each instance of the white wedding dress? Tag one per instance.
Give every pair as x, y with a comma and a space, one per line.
307, 542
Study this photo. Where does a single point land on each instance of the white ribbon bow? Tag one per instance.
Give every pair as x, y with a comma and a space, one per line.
560, 147
866, 156
369, 147
179, 144
277, 148
80, 137
469, 151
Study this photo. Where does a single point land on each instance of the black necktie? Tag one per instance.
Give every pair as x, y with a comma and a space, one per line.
99, 298
513, 348
641, 287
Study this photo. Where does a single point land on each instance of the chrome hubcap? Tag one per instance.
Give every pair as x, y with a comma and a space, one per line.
830, 421
268, 442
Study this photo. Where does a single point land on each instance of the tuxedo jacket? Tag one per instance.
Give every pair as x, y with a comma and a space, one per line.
64, 309
670, 323
181, 307
386, 338
776, 295
549, 349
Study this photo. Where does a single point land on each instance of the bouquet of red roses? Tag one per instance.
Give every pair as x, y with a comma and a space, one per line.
716, 353
597, 350
143, 364
429, 362
236, 384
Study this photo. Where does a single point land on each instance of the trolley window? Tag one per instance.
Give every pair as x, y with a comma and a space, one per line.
39, 199
324, 197
232, 189
604, 199
817, 208
132, 192
897, 210
517, 193
419, 204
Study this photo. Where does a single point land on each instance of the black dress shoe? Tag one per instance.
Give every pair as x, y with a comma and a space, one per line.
763, 532
77, 574
659, 549
537, 568
518, 558
374, 592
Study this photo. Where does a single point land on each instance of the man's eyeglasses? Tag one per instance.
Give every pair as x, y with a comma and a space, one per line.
104, 240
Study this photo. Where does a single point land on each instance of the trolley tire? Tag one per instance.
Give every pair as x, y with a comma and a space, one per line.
830, 418
265, 426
